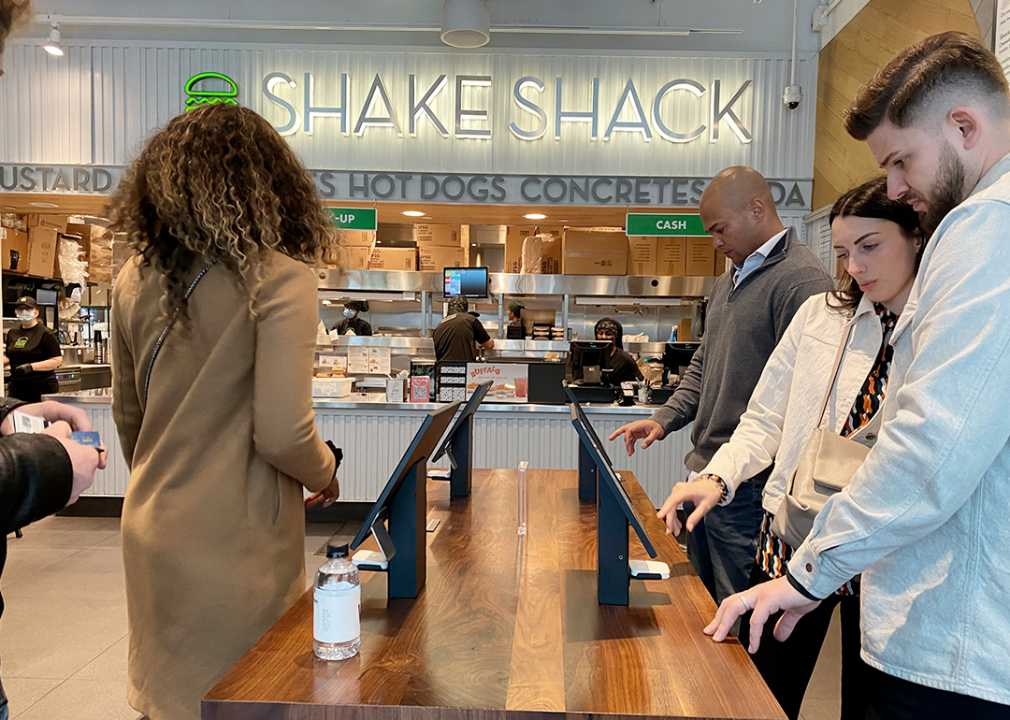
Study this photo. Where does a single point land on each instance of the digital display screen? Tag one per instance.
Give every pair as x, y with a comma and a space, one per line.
466, 282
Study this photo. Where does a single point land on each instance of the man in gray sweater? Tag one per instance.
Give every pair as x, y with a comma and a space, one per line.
748, 312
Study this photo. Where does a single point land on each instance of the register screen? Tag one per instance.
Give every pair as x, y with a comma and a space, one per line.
466, 282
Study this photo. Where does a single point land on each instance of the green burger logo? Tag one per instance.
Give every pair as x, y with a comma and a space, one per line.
210, 93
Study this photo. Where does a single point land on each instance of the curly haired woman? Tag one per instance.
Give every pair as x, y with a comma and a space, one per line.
215, 413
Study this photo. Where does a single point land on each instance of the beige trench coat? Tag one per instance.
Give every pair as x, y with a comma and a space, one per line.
213, 522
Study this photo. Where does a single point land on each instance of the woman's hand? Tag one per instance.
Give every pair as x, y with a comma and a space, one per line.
325, 497
765, 600
54, 412
703, 492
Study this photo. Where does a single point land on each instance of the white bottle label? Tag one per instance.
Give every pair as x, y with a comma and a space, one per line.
336, 615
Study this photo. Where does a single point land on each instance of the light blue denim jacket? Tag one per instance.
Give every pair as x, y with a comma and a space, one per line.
927, 518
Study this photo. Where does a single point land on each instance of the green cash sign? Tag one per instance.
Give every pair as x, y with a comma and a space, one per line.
673, 225
355, 218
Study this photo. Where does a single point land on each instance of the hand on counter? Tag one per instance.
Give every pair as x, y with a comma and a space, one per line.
325, 497
54, 412
84, 459
20, 370
705, 495
648, 431
765, 600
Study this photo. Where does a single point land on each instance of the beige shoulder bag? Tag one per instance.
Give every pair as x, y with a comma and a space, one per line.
826, 466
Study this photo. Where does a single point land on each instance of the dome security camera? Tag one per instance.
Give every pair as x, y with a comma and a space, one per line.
792, 97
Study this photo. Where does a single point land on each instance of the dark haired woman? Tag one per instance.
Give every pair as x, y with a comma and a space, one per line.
879, 244
214, 339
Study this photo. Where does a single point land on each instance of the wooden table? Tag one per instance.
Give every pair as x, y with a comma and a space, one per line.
503, 632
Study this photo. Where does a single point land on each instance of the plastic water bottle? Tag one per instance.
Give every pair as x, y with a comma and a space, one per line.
673, 334
336, 607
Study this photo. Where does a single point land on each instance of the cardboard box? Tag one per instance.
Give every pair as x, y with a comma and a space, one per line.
357, 238
642, 255
433, 258
721, 264
14, 241
355, 258
670, 256
589, 252
684, 330
393, 259
557, 231
700, 257
52, 222
96, 296
42, 243
514, 237
443, 235
101, 260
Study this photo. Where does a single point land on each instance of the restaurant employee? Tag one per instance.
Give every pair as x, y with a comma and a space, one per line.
351, 321
33, 354
623, 367
458, 335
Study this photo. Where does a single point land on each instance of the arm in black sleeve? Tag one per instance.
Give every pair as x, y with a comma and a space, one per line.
36, 479
50, 345
479, 333
682, 406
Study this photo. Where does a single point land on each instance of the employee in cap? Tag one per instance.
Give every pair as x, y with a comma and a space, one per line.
515, 312
352, 324
458, 335
623, 367
33, 354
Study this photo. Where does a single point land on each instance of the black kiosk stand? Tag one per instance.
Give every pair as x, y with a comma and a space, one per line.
588, 474
404, 502
458, 445
614, 513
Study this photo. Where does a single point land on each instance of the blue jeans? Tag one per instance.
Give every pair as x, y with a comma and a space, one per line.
723, 546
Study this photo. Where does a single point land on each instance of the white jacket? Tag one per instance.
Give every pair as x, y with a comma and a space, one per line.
782, 412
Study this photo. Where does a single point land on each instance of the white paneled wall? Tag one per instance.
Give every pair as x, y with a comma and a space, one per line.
373, 440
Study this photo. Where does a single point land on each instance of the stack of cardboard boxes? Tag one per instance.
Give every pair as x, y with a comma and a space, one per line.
608, 251
436, 247
441, 246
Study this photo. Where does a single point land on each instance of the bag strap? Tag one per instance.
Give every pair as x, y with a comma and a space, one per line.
834, 372
171, 322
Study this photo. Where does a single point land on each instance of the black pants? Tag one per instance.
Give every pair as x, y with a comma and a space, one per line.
896, 699
32, 390
787, 666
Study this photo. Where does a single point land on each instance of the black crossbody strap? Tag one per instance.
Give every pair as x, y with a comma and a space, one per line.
171, 322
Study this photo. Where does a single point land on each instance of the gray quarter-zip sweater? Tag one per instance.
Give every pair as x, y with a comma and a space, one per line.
743, 325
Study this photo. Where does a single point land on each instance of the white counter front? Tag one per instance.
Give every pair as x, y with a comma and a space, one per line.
374, 433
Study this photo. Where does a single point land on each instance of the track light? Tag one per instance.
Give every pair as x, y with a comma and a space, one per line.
52, 45
465, 23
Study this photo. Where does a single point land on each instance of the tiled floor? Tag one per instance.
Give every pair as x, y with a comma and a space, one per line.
63, 635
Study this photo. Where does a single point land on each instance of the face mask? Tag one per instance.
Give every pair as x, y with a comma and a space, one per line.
349, 314
25, 316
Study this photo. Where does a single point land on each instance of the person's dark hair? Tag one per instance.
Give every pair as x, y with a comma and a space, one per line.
14, 14
951, 65
458, 305
359, 306
870, 200
219, 183
613, 326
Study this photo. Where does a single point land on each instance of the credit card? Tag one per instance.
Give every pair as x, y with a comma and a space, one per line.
86, 438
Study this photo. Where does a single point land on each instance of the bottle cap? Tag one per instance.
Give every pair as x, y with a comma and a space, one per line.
333, 551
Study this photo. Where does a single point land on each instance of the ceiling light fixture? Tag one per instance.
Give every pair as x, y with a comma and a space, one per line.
535, 216
52, 45
465, 23
413, 213
43, 205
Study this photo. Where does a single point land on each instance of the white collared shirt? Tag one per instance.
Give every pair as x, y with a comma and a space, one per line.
754, 260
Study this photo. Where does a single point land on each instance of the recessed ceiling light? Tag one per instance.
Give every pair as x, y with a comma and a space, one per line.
564, 220
43, 205
9, 207
473, 244
535, 216
413, 213
426, 217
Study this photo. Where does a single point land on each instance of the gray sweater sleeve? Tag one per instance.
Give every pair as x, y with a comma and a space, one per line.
682, 406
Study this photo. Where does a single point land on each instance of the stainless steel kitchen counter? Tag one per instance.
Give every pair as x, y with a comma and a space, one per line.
376, 401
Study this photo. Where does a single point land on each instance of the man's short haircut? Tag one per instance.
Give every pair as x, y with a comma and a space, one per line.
13, 14
952, 67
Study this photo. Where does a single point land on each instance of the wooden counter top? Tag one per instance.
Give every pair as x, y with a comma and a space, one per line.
506, 632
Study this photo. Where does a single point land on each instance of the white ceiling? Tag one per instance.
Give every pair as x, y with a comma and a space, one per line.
766, 26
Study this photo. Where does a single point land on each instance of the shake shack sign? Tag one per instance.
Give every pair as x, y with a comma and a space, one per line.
432, 187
